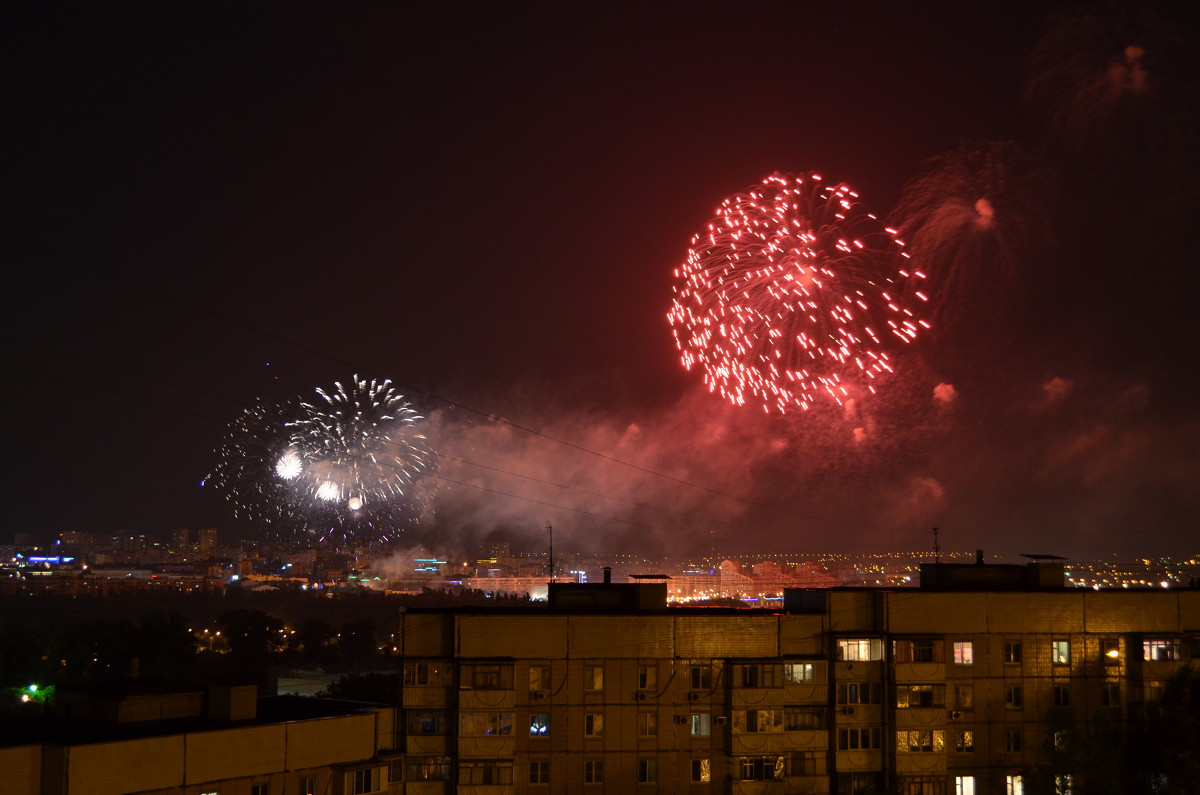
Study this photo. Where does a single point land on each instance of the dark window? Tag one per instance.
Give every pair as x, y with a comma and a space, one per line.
428, 768
539, 772
760, 768
859, 693
858, 738
429, 721
485, 772
800, 718
918, 650
479, 676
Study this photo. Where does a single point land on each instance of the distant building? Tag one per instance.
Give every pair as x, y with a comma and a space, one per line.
207, 538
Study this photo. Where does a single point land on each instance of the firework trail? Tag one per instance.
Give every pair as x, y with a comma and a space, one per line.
794, 294
344, 467
1114, 92
978, 220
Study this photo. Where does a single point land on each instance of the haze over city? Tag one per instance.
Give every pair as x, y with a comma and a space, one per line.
489, 208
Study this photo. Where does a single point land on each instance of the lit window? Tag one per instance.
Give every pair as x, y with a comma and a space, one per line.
593, 771
964, 785
799, 672
920, 696
1060, 652
1014, 785
920, 741
701, 724
647, 724
964, 652
593, 678
539, 772
1110, 651
964, 696
964, 741
539, 677
647, 771
1063, 784
539, 724
701, 771
1161, 650
859, 649
757, 721
593, 724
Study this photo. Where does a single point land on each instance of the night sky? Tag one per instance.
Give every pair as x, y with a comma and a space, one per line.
485, 202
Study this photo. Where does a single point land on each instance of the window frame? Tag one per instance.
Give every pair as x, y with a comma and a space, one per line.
807, 672
542, 775
539, 724
859, 738
647, 724
593, 724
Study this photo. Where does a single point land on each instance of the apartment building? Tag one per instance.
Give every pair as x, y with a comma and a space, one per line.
922, 692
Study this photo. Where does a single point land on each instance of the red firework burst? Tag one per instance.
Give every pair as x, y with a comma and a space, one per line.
794, 294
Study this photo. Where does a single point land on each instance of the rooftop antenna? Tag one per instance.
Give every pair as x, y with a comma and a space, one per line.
936, 549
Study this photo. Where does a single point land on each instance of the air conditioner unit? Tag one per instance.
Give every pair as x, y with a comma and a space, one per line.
719, 720
681, 718
847, 710
955, 714
640, 696
693, 696
539, 695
